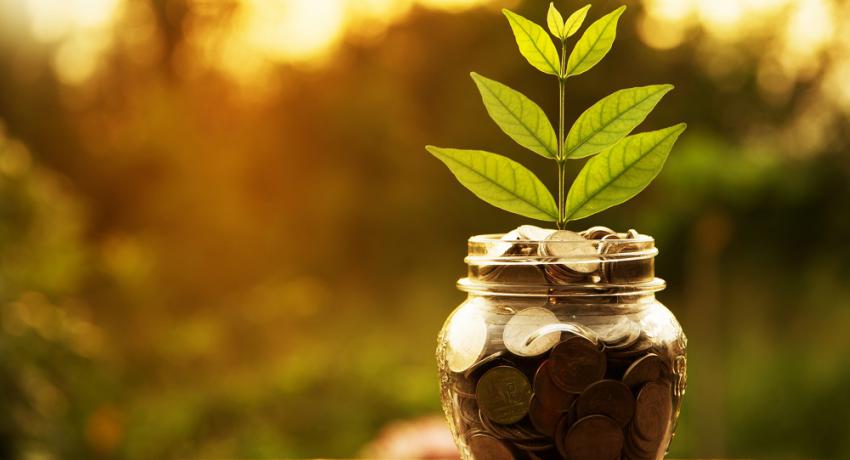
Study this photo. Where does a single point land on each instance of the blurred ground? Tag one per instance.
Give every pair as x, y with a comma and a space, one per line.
220, 235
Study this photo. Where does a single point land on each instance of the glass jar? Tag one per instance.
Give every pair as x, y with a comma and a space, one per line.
561, 349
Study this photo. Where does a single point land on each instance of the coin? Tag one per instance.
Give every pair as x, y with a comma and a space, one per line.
607, 397
466, 338
544, 419
576, 363
515, 433
468, 409
620, 332
548, 394
598, 232
533, 233
595, 437
523, 325
518, 273
649, 368
484, 446
503, 394
653, 411
579, 254
484, 363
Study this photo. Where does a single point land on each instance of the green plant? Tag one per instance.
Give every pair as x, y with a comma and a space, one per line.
622, 165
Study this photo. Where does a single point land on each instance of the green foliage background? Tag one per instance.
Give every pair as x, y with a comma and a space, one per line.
187, 272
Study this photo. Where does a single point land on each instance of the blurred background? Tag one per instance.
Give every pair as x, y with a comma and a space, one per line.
220, 235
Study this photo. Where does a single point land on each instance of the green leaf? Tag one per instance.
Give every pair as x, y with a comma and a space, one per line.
518, 116
575, 21
556, 23
618, 174
594, 43
500, 181
534, 43
611, 119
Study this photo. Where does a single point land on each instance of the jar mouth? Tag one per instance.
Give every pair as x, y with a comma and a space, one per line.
589, 290
530, 261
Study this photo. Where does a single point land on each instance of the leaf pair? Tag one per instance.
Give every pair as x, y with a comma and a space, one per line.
599, 127
608, 179
538, 49
561, 29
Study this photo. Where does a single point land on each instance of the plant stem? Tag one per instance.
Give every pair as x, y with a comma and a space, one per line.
562, 162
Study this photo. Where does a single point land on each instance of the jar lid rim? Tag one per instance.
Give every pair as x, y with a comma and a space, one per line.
494, 238
475, 286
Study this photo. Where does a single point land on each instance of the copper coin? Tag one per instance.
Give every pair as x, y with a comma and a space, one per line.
650, 368
484, 446
653, 411
575, 363
607, 397
515, 433
547, 393
544, 419
595, 437
503, 394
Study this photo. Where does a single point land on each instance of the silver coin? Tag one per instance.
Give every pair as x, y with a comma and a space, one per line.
466, 338
533, 233
597, 233
527, 324
579, 253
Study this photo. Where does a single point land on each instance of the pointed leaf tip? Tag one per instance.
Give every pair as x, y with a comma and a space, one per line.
621, 172
556, 22
574, 22
611, 119
534, 43
594, 43
518, 116
500, 181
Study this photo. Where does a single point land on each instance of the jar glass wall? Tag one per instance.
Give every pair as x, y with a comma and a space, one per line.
561, 349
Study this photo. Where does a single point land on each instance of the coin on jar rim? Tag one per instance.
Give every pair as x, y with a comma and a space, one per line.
579, 252
575, 363
503, 394
595, 437
533, 232
598, 232
526, 323
650, 368
466, 338
607, 397
484, 446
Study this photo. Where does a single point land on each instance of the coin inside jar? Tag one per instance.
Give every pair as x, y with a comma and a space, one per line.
650, 368
484, 446
503, 394
466, 338
595, 437
548, 393
576, 363
607, 397
653, 410
526, 324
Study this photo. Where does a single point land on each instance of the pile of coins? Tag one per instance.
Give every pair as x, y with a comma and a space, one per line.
580, 400
526, 384
564, 257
